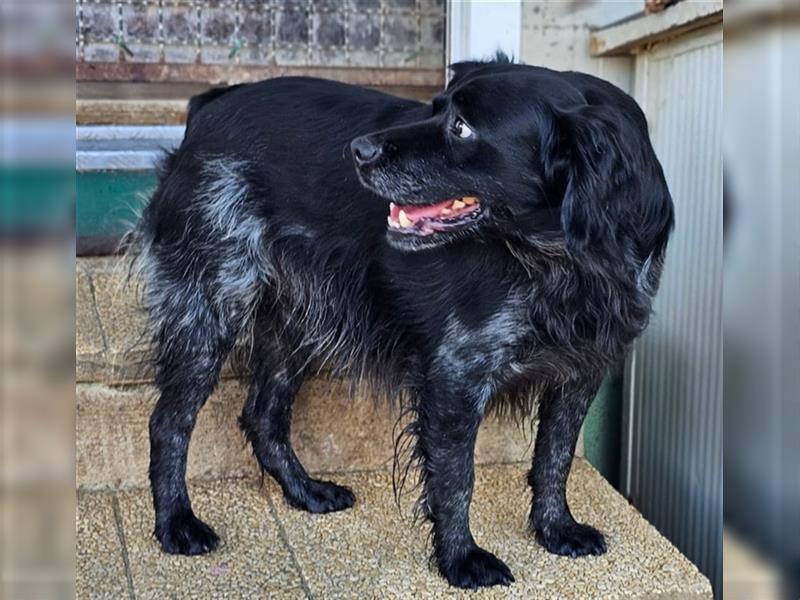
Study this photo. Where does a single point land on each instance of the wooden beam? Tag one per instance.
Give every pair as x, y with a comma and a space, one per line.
630, 36
227, 74
130, 112
141, 106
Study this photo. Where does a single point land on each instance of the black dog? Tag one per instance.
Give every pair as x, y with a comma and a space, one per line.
527, 222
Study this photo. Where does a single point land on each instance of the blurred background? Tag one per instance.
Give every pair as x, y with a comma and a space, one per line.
761, 315
37, 195
124, 70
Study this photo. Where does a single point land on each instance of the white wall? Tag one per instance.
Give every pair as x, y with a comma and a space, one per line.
557, 37
545, 33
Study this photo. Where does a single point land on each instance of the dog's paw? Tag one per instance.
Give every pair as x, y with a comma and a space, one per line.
186, 534
323, 497
477, 568
571, 539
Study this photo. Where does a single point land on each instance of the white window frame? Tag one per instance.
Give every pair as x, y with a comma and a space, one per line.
477, 29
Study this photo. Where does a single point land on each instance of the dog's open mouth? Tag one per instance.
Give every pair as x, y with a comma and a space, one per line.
426, 219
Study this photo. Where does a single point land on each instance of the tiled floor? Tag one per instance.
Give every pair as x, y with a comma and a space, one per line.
269, 550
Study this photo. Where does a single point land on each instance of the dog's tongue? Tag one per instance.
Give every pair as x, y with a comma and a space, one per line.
415, 213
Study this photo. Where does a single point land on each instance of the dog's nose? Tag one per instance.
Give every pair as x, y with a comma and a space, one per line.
365, 150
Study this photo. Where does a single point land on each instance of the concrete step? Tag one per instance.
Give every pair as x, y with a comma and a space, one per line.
333, 430
109, 324
270, 550
371, 551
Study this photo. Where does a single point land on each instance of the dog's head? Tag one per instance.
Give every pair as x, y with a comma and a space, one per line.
520, 152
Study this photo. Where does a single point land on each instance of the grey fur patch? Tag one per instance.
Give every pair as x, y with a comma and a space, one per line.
242, 268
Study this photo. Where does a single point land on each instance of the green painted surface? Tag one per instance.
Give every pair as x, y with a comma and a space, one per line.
36, 198
109, 202
603, 429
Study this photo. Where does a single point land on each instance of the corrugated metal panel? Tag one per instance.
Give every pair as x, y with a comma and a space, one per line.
672, 454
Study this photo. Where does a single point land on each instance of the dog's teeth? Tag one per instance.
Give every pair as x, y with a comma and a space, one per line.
404, 220
469, 200
458, 204
446, 211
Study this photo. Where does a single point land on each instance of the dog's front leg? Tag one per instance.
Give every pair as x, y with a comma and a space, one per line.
449, 417
561, 413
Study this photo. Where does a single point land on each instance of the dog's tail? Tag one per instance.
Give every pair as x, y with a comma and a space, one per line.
133, 271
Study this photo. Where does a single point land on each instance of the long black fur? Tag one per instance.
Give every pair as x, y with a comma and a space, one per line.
264, 236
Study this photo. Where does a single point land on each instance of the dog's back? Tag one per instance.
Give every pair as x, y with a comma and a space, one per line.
254, 214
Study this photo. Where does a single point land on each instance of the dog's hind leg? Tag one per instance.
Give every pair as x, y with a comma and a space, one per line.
266, 420
561, 413
191, 343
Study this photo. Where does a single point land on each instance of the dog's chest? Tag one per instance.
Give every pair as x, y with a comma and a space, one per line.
533, 335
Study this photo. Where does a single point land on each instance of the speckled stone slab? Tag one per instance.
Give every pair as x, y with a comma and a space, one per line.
251, 562
270, 550
372, 552
100, 566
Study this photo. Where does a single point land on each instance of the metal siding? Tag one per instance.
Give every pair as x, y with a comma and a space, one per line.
673, 448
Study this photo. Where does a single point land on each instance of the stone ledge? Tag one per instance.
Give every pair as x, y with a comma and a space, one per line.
332, 431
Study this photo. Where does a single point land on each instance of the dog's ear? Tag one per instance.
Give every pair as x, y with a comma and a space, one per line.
461, 70
611, 182
594, 163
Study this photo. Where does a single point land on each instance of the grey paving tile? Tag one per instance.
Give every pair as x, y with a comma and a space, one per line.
251, 562
99, 564
371, 552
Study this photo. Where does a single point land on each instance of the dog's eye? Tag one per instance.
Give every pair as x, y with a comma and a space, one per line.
461, 129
